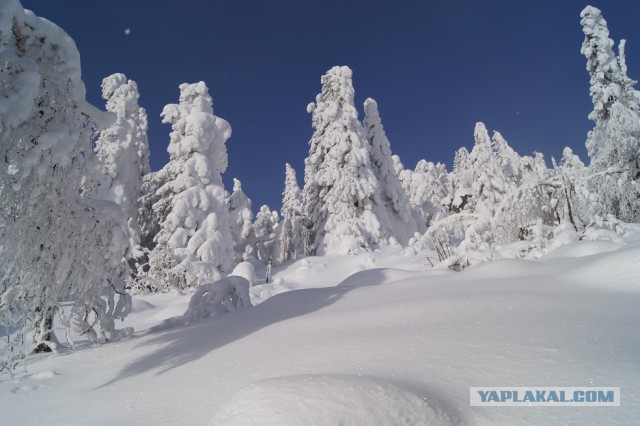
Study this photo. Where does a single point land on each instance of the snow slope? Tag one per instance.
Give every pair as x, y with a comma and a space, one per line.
402, 343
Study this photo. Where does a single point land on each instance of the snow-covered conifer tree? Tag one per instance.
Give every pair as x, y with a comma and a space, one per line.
427, 189
289, 243
123, 150
461, 180
264, 233
194, 244
393, 210
489, 183
339, 183
58, 240
614, 144
240, 216
508, 159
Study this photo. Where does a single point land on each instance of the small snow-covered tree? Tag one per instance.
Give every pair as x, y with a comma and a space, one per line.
289, 242
240, 216
614, 144
489, 183
339, 183
507, 159
59, 240
264, 233
393, 210
427, 189
461, 180
194, 243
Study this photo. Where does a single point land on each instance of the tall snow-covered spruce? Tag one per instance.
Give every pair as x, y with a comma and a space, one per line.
290, 238
340, 185
614, 144
393, 210
123, 149
59, 240
194, 244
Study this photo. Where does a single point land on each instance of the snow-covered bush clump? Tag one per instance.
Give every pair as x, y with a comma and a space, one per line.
194, 243
226, 295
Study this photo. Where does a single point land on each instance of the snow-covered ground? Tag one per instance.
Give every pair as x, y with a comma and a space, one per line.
378, 338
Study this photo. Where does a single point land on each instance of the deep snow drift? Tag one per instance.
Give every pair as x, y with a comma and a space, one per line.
377, 338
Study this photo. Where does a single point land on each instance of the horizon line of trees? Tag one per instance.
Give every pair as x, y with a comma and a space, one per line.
83, 218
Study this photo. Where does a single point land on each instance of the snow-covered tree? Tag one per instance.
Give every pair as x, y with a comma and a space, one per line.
59, 240
194, 244
393, 210
614, 144
489, 183
290, 241
427, 189
123, 150
240, 216
264, 231
461, 180
339, 182
508, 160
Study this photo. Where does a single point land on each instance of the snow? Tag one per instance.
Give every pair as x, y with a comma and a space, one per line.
328, 400
375, 338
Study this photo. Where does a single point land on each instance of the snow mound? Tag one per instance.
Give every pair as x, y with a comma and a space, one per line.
613, 270
246, 271
139, 305
43, 375
583, 248
328, 400
375, 276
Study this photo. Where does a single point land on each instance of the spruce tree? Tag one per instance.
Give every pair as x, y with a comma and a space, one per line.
240, 217
614, 144
123, 150
397, 219
289, 243
194, 243
339, 182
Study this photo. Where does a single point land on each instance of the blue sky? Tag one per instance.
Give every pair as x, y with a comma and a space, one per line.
435, 68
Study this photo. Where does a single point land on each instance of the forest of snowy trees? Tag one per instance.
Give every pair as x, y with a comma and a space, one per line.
84, 219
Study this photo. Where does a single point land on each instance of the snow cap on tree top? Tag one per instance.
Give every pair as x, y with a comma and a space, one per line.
237, 185
480, 134
371, 111
196, 95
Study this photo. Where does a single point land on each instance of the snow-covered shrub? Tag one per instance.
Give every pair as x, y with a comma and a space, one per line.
226, 295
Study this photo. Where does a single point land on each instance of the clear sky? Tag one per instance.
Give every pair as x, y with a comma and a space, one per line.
435, 68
